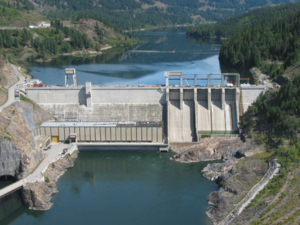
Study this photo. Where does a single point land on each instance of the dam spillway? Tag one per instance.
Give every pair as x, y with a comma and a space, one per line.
186, 113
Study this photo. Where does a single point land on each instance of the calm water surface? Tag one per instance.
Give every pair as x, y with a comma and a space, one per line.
124, 188
143, 64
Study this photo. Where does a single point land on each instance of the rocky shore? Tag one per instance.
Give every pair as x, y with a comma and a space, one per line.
37, 195
236, 175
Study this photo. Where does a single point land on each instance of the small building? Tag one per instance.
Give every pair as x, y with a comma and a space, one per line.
43, 25
43, 141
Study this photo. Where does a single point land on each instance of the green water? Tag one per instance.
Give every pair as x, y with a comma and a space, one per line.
124, 188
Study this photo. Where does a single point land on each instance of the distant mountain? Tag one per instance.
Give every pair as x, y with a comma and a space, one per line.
227, 27
132, 14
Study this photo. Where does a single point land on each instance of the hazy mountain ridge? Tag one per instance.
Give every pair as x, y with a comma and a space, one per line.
129, 14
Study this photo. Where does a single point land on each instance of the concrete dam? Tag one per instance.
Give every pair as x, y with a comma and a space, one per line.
143, 114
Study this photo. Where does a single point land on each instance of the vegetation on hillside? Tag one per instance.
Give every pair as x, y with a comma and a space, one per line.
279, 40
273, 121
18, 13
48, 42
275, 118
10, 12
255, 17
132, 14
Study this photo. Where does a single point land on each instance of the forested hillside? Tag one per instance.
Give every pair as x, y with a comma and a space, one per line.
132, 14
226, 27
17, 13
46, 43
269, 41
273, 122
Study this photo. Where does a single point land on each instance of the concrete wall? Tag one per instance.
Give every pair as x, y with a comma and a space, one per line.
128, 95
249, 95
96, 95
57, 95
106, 112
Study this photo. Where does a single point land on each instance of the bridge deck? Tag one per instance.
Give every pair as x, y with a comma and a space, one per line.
12, 188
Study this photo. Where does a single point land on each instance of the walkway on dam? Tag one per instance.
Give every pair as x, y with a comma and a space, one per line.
11, 91
51, 155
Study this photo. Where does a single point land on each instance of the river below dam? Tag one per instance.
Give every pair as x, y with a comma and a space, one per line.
124, 188
133, 187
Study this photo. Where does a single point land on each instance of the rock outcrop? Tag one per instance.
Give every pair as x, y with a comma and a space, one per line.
18, 149
7, 75
215, 149
10, 158
37, 195
235, 179
235, 176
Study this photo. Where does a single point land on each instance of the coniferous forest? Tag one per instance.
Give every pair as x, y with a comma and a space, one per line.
131, 14
225, 28
48, 42
269, 41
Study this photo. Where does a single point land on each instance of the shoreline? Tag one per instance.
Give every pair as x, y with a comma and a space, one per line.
240, 162
80, 53
37, 195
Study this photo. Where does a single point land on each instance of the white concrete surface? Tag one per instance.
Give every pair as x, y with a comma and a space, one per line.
218, 116
106, 112
98, 95
204, 117
182, 122
228, 116
249, 95
11, 91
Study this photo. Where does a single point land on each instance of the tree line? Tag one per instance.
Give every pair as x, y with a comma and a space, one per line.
276, 117
279, 40
129, 14
18, 4
227, 27
52, 41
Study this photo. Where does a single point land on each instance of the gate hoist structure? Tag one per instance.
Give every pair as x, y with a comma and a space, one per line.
70, 72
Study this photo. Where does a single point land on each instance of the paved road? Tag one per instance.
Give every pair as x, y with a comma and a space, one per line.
37, 175
50, 155
11, 91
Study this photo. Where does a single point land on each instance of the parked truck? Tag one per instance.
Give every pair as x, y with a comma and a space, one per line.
17, 93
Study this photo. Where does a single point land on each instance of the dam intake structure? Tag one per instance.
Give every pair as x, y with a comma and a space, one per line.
137, 115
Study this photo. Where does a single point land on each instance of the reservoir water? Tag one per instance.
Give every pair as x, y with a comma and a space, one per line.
142, 64
133, 187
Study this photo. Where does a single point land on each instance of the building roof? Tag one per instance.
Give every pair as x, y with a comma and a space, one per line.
79, 124
101, 124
